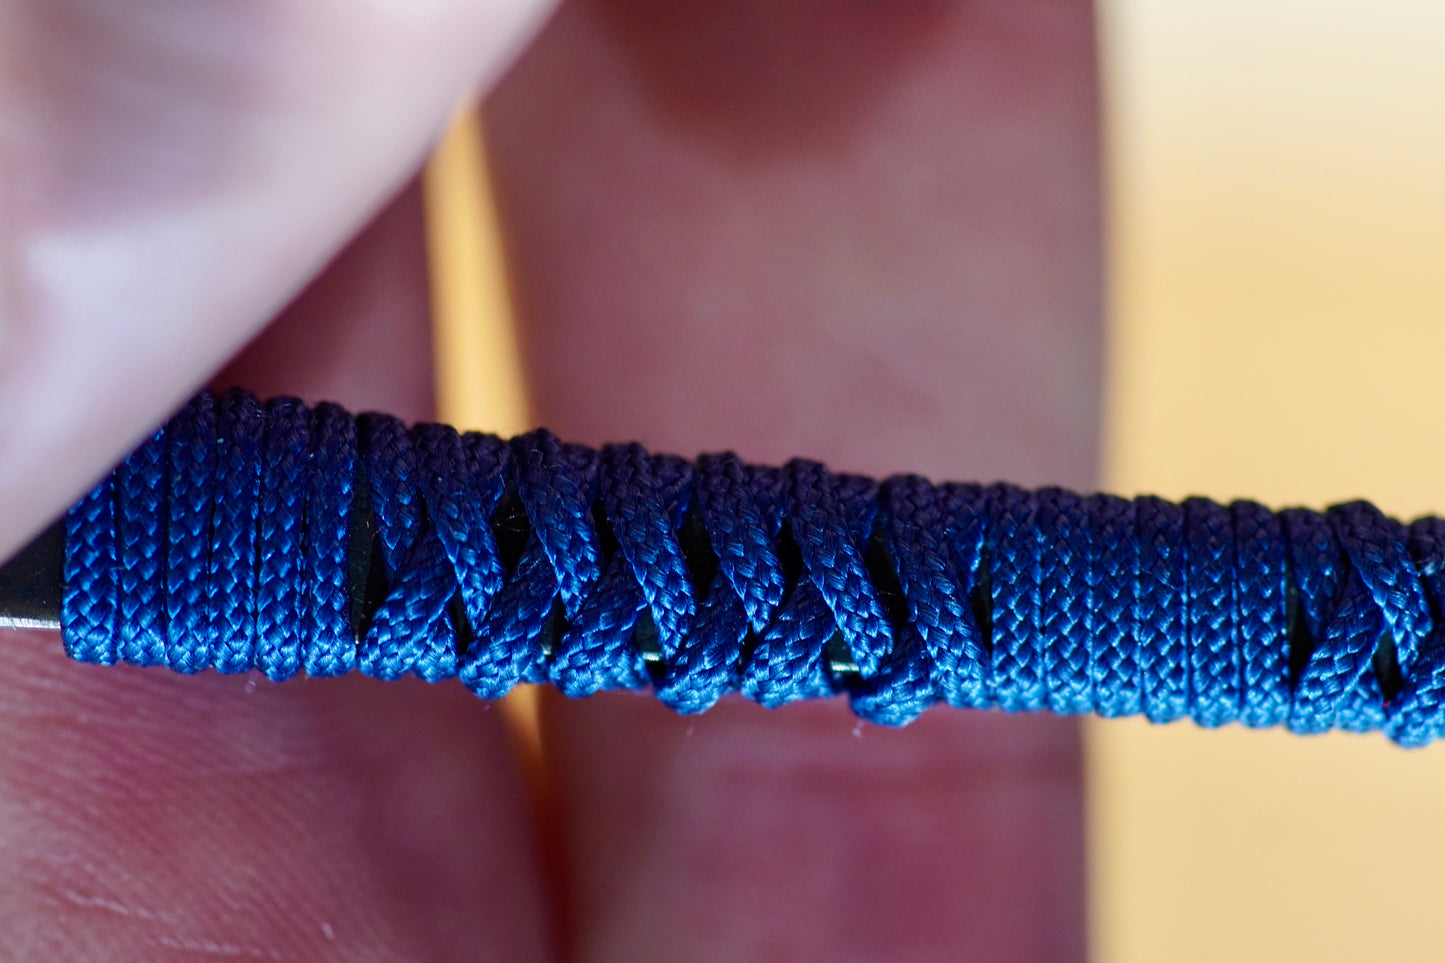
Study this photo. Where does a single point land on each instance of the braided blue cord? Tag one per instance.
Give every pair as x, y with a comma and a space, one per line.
87, 618
1113, 627
745, 589
229, 540
328, 482
141, 574
280, 559
410, 632
1159, 610
234, 531
1017, 663
189, 485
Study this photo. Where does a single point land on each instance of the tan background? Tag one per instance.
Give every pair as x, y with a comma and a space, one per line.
1277, 209
1278, 233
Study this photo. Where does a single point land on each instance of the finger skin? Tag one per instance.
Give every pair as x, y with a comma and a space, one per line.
171, 174
152, 816
722, 237
800, 834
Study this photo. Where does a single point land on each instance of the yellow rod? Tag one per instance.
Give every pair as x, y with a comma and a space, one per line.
478, 363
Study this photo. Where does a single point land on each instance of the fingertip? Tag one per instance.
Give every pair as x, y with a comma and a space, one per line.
172, 177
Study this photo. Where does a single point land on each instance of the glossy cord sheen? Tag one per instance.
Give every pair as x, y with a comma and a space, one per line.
285, 539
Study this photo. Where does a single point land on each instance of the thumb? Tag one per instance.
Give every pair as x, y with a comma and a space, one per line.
171, 173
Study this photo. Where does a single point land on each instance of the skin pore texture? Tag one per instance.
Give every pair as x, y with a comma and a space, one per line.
857, 232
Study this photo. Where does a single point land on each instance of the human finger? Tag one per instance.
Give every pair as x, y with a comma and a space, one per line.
171, 173
862, 234
156, 816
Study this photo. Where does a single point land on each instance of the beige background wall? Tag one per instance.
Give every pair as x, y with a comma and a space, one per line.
1278, 228
1278, 307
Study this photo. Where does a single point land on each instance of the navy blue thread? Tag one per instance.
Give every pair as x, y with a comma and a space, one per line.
227, 540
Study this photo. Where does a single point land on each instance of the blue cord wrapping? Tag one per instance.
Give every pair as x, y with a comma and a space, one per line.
230, 539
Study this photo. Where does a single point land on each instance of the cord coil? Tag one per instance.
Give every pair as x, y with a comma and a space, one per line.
289, 539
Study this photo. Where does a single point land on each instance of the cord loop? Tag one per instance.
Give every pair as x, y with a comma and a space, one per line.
290, 539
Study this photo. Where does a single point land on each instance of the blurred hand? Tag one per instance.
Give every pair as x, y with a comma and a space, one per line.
171, 173
861, 232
